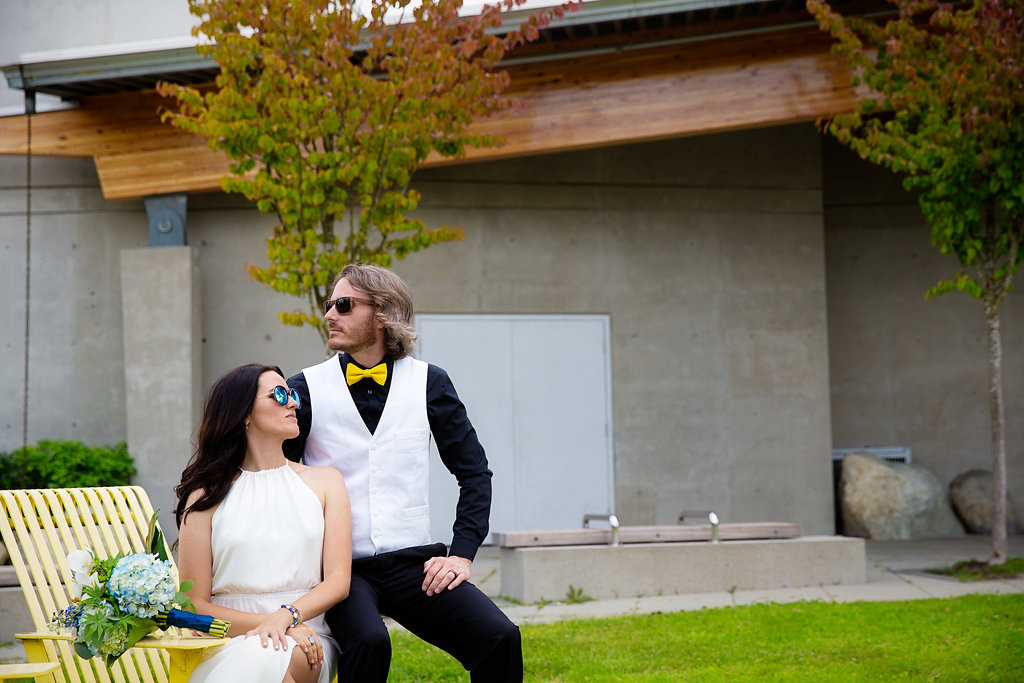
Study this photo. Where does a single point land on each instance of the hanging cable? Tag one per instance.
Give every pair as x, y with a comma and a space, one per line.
30, 109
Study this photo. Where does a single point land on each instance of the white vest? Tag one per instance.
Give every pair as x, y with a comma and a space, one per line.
386, 472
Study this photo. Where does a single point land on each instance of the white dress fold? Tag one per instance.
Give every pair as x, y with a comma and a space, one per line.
267, 539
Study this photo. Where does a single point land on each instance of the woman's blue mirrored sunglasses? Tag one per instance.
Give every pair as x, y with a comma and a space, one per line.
282, 394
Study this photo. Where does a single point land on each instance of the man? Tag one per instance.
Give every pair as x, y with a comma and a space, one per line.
370, 411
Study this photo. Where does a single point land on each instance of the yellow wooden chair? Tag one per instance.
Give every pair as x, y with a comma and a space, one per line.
40, 527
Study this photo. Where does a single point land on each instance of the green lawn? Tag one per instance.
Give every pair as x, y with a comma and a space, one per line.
972, 638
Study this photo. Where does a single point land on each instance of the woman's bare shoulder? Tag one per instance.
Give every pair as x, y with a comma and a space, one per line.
194, 496
319, 478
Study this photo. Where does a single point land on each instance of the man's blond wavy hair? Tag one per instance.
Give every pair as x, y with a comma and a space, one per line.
393, 301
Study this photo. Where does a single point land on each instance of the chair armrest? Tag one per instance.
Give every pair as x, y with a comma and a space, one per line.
160, 642
34, 671
166, 642
42, 635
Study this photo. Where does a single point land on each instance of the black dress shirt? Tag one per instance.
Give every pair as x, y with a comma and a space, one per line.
453, 433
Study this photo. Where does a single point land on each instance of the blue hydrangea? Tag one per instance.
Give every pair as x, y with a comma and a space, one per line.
142, 585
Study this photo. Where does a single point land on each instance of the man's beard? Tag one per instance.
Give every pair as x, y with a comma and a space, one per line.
356, 338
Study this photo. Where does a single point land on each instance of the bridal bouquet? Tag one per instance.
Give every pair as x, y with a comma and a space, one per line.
118, 601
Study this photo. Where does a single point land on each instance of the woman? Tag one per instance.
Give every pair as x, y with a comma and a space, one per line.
266, 542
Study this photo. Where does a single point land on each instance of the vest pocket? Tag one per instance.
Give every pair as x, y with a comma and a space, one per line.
414, 525
415, 435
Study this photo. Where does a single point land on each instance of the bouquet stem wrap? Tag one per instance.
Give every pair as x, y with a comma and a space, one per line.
195, 622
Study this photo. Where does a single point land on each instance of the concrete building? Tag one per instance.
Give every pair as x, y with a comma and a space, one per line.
762, 292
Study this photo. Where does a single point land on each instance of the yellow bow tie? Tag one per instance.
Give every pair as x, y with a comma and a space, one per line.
378, 373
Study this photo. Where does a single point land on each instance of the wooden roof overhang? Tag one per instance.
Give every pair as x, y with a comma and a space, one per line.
631, 79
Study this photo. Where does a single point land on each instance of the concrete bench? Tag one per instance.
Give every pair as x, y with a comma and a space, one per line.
667, 533
672, 559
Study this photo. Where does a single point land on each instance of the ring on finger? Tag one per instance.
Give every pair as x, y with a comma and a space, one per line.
312, 640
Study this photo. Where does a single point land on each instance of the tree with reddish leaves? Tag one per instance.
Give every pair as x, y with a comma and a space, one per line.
946, 112
326, 109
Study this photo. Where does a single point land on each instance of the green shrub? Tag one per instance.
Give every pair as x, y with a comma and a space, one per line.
65, 464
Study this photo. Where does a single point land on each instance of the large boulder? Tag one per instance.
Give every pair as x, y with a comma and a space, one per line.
971, 495
893, 501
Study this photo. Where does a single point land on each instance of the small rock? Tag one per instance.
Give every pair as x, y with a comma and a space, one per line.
893, 501
971, 495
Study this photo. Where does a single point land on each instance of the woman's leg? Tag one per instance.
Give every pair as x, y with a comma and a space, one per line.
299, 670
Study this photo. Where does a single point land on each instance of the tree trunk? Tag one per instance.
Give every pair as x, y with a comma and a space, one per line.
995, 400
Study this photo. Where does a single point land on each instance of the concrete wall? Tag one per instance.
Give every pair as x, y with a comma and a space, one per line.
76, 371
735, 369
77, 376
905, 371
707, 253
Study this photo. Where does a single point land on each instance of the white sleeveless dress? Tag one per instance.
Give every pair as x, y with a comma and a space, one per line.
267, 539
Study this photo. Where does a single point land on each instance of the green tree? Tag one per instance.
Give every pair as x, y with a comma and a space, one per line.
946, 111
327, 110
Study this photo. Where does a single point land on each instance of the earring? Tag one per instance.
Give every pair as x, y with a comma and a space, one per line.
246, 423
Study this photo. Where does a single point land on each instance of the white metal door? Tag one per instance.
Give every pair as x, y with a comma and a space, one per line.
538, 392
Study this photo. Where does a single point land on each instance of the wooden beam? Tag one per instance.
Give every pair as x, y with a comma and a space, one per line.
103, 124
610, 97
161, 171
672, 91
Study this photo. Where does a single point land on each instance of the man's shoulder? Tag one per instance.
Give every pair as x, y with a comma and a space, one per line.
323, 366
435, 373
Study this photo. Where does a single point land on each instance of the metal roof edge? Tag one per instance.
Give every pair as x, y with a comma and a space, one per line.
40, 74
42, 70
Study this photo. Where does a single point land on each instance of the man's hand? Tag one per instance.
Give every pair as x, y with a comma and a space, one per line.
444, 572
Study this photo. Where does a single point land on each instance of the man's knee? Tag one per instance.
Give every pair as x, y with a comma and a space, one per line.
507, 632
503, 640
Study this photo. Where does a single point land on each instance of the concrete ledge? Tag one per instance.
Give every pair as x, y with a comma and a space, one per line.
651, 569
727, 531
14, 615
8, 577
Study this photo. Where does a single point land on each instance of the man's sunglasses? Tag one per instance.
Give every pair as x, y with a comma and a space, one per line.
282, 394
344, 304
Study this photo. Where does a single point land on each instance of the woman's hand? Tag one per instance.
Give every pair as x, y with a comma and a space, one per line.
307, 639
272, 629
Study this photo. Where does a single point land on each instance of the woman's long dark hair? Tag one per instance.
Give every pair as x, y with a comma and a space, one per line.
221, 444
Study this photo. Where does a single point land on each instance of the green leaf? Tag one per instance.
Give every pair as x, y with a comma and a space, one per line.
155, 539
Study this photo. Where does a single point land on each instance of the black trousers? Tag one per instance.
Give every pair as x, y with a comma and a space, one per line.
463, 622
